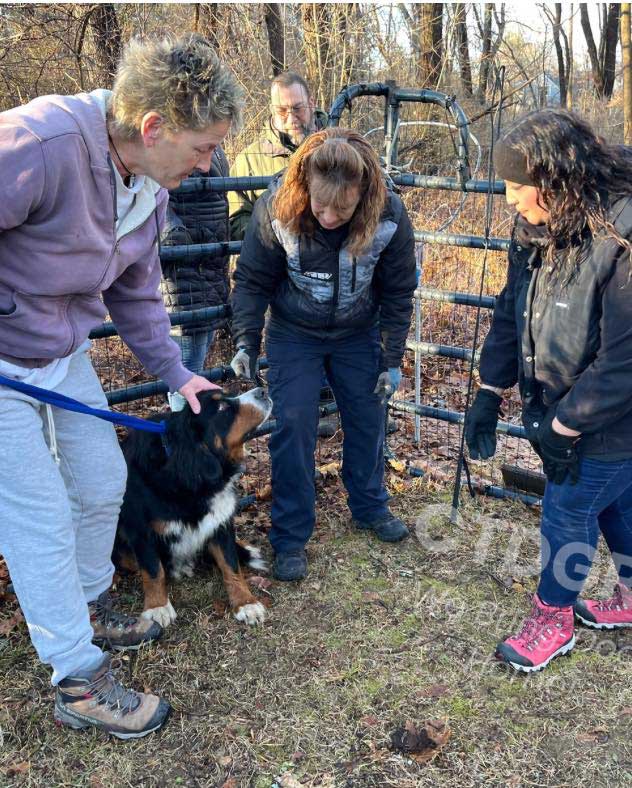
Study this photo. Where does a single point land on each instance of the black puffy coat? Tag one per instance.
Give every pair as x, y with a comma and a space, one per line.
315, 287
569, 345
198, 280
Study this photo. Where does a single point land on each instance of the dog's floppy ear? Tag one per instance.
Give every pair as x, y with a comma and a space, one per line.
190, 464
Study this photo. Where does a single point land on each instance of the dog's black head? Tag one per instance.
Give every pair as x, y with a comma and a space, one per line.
200, 451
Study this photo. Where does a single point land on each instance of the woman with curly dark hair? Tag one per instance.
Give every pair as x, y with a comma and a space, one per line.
331, 250
562, 329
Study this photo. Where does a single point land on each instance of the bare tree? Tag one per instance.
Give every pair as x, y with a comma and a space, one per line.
562, 50
602, 61
626, 51
489, 44
107, 39
425, 27
274, 26
460, 25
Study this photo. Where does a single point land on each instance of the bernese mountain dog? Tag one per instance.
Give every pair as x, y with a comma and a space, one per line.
180, 500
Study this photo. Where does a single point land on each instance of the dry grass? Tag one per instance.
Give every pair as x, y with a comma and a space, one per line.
377, 635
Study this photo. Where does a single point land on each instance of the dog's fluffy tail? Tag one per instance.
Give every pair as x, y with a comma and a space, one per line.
251, 556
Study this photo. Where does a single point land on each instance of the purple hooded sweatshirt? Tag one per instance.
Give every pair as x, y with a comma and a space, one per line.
61, 268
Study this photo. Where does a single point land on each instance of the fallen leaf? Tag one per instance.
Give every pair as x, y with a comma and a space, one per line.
397, 465
421, 743
21, 767
329, 469
264, 493
219, 608
298, 756
230, 783
256, 581
9, 624
288, 780
626, 711
433, 691
224, 761
371, 596
596, 736
369, 721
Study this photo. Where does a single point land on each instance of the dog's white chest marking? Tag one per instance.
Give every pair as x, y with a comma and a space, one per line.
189, 542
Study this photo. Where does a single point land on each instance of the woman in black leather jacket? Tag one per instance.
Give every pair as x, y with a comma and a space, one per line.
562, 330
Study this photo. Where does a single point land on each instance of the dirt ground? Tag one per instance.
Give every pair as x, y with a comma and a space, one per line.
374, 671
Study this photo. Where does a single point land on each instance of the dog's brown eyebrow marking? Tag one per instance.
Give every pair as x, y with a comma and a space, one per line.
218, 443
248, 417
155, 589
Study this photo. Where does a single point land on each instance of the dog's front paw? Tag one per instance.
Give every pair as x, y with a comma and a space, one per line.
164, 615
253, 613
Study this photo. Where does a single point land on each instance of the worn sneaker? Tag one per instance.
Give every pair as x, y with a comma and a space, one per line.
547, 632
386, 527
290, 566
613, 613
118, 630
96, 698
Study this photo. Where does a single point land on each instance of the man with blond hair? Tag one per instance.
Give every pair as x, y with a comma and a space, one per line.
293, 115
83, 195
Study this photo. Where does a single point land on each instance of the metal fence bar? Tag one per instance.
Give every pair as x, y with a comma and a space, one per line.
455, 297
177, 319
452, 416
447, 351
187, 251
256, 182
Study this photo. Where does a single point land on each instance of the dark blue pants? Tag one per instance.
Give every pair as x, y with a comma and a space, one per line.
296, 365
573, 515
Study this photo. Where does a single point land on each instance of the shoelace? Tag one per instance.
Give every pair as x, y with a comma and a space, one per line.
107, 689
616, 602
536, 622
104, 613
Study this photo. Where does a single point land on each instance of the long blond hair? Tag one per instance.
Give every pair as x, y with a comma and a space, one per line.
341, 159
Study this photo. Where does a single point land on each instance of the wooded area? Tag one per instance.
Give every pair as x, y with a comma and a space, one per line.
454, 47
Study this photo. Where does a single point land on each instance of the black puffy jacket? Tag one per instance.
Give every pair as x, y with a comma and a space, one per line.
569, 346
313, 285
198, 280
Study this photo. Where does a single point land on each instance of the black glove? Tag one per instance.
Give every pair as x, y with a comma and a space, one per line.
480, 424
559, 456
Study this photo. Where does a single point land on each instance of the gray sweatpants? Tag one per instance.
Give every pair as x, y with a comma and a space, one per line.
57, 522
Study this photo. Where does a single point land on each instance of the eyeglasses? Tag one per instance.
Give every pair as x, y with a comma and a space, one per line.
283, 112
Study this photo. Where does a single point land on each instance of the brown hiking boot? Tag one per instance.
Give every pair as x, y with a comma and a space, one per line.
96, 698
118, 630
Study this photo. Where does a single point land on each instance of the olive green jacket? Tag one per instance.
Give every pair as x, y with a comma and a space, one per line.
265, 156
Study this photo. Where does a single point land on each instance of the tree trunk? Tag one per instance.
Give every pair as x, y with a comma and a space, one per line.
276, 40
569, 79
611, 35
107, 39
460, 21
429, 19
562, 67
602, 62
626, 51
486, 46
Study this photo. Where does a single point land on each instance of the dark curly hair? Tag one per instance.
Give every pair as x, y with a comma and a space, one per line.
579, 176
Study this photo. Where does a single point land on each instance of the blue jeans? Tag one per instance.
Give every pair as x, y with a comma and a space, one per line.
296, 365
194, 348
572, 518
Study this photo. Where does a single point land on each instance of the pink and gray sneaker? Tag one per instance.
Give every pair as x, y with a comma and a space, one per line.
613, 613
547, 632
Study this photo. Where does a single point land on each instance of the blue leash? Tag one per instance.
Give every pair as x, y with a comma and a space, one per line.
67, 403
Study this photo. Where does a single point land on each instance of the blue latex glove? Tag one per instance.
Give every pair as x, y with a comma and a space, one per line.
388, 383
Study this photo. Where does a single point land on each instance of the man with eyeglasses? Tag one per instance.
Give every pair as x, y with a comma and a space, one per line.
292, 117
